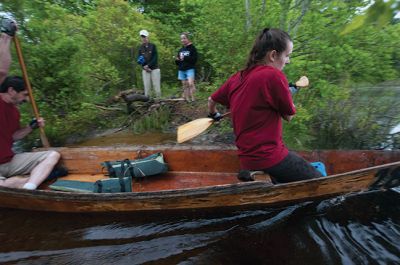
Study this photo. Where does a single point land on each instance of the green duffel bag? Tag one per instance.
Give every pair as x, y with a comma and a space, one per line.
111, 185
138, 168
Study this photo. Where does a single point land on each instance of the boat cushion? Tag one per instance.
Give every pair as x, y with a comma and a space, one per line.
111, 185
138, 168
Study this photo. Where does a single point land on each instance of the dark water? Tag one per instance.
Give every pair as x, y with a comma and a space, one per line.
362, 229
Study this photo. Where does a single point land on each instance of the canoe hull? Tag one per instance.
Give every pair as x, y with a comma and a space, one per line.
229, 195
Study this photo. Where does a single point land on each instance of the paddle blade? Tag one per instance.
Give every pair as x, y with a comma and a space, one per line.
302, 82
191, 129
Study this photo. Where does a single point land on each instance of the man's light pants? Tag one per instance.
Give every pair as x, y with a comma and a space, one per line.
152, 78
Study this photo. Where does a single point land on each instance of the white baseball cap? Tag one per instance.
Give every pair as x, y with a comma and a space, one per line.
144, 32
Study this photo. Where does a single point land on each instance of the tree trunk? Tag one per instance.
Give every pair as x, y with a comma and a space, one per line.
248, 15
293, 25
285, 7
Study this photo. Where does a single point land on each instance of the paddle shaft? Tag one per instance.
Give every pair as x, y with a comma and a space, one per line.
43, 137
225, 114
301, 85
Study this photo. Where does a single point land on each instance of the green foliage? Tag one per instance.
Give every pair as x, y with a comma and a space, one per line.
155, 121
295, 132
221, 38
379, 14
364, 121
80, 53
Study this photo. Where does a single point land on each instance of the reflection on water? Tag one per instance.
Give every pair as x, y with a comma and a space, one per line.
129, 138
362, 229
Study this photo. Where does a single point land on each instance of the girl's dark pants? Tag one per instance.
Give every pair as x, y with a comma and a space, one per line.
292, 168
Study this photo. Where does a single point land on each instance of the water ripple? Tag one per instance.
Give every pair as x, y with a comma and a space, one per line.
357, 229
131, 253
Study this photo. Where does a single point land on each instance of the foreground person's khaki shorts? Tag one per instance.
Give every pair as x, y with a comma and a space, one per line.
22, 164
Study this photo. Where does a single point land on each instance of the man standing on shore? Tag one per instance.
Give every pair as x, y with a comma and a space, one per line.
148, 59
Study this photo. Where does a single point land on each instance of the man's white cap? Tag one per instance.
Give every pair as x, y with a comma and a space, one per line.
144, 32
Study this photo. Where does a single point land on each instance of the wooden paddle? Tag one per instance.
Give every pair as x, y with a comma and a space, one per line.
191, 129
43, 137
302, 82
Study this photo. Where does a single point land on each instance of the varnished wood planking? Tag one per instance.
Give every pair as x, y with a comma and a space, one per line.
198, 185
219, 196
87, 160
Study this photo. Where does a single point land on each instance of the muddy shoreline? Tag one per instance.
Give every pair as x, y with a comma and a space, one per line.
126, 137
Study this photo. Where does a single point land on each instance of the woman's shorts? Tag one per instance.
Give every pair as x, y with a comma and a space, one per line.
185, 75
22, 164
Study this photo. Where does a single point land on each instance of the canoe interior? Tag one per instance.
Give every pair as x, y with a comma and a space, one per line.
192, 167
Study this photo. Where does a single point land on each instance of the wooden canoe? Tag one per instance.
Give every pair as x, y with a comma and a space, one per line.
204, 177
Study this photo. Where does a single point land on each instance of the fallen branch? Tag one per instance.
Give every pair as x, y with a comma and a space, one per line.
171, 99
108, 108
129, 98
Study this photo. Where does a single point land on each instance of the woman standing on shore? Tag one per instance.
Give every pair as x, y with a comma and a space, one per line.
186, 60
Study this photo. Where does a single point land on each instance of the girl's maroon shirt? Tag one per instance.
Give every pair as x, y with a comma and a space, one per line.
9, 124
257, 101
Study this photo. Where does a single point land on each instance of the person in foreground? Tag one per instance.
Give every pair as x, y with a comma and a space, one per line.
12, 93
259, 98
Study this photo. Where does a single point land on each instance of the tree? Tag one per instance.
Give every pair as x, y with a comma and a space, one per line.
334, 62
80, 52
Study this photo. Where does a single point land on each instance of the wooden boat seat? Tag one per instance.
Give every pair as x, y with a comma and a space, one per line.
85, 177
